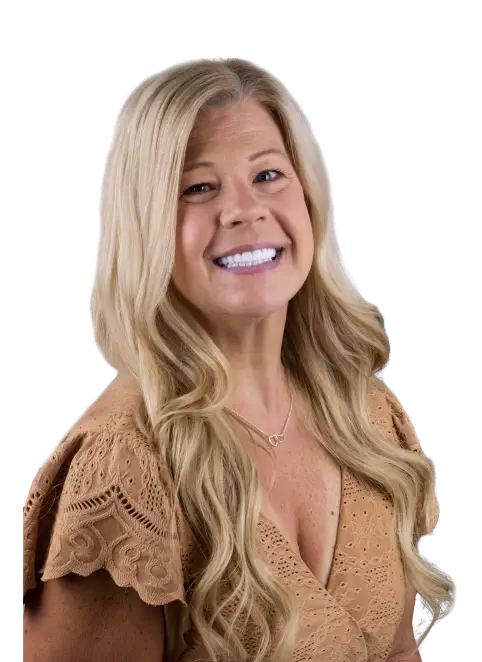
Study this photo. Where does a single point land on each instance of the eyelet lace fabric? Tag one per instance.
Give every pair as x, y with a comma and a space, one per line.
104, 500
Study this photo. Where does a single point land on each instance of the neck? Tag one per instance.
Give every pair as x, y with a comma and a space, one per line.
270, 420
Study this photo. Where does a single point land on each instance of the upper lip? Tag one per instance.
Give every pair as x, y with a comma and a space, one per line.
249, 247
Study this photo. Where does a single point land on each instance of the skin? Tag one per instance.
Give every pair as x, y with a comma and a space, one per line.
236, 202
246, 314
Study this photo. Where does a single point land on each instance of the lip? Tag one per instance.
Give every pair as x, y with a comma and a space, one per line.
249, 247
265, 266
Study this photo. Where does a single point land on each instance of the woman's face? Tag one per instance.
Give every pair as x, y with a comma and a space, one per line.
234, 201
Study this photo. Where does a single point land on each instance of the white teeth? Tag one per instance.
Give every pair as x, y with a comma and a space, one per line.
248, 258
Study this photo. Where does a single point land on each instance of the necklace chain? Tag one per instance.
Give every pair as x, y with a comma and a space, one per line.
274, 439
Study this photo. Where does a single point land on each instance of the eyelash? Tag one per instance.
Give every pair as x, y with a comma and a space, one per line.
277, 170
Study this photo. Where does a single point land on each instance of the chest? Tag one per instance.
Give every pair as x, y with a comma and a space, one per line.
304, 500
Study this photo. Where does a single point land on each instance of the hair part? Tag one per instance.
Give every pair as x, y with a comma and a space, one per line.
334, 342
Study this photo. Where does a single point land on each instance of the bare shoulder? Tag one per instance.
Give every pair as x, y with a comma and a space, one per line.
91, 618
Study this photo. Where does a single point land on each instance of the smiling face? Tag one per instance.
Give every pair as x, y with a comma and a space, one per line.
237, 201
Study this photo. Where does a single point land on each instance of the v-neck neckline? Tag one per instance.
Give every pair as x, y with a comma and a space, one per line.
270, 524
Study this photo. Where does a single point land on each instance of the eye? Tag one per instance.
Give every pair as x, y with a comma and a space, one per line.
191, 190
279, 172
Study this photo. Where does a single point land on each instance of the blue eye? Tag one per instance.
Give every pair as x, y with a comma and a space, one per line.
271, 170
190, 190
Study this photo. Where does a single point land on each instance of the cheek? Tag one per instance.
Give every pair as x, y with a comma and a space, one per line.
296, 210
303, 238
192, 238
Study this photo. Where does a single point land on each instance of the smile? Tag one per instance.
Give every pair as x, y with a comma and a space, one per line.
257, 268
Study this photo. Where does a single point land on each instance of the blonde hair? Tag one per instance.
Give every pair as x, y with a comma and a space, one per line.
333, 344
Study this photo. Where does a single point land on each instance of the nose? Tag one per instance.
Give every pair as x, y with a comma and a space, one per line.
239, 205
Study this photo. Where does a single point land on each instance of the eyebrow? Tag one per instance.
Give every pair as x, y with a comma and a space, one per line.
253, 157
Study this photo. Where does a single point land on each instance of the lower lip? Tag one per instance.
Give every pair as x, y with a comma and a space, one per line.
256, 268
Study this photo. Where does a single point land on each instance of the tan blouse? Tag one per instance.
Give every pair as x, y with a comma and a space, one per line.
103, 499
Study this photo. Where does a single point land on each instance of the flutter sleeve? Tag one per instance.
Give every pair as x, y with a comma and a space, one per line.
396, 421
102, 500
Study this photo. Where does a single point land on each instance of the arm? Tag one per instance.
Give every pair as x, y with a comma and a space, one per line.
404, 647
91, 619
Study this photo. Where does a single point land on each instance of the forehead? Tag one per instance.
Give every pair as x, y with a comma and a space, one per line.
244, 124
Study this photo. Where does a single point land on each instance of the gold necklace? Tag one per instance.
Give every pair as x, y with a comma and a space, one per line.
274, 439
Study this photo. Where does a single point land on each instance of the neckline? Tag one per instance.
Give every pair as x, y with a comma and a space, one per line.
299, 558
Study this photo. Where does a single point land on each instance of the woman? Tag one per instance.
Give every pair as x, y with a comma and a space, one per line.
246, 487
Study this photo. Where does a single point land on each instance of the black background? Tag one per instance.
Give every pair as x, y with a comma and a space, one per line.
380, 133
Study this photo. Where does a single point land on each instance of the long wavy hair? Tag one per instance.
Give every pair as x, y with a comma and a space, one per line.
334, 342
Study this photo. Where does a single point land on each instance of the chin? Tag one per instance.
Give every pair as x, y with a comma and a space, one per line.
252, 309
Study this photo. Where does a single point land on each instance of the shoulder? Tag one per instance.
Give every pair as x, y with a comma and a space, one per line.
386, 411
103, 500
93, 452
